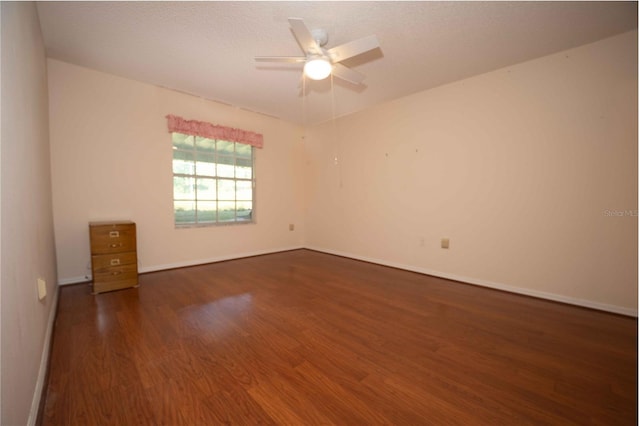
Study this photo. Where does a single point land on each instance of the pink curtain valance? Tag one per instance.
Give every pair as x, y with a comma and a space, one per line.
212, 131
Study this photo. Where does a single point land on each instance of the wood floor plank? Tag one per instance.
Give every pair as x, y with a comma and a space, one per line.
302, 337
285, 388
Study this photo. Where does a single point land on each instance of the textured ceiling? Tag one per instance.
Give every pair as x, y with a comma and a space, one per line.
207, 48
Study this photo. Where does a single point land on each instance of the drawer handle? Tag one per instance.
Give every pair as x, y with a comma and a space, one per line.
114, 234
115, 245
115, 262
116, 273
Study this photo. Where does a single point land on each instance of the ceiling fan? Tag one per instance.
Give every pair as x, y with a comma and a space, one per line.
319, 62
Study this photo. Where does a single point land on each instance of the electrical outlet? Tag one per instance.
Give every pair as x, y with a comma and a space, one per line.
444, 243
42, 289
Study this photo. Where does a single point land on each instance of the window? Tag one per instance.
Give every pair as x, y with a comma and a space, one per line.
213, 181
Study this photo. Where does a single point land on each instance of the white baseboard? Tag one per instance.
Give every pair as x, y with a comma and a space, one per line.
468, 280
187, 263
44, 361
214, 259
484, 283
74, 280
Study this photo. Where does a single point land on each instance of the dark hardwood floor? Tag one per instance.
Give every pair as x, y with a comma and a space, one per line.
303, 338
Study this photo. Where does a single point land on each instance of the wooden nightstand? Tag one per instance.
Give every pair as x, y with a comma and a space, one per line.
114, 259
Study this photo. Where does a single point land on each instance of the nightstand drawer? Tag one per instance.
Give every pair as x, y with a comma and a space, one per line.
102, 262
101, 287
113, 238
120, 273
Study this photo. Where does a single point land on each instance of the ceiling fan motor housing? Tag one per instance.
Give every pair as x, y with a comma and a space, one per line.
320, 36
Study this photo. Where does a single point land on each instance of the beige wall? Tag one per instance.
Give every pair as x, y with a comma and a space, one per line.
27, 221
111, 159
525, 169
521, 168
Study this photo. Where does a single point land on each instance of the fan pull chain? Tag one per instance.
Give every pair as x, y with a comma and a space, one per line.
304, 100
336, 136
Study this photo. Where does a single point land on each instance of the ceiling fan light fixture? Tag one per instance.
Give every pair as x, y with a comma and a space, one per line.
317, 68
320, 63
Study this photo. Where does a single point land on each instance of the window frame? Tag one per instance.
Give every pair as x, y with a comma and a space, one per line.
193, 151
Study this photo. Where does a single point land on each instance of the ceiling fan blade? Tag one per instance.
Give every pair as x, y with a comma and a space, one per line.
304, 37
353, 48
347, 74
288, 59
